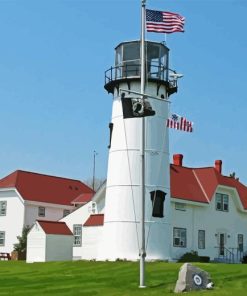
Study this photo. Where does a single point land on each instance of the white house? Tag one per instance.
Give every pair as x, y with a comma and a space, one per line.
76, 223
209, 212
92, 234
49, 241
27, 196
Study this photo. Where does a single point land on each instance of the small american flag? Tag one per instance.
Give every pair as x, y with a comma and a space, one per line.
164, 22
179, 123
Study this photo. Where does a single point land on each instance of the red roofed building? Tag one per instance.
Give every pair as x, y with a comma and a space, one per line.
27, 196
208, 211
54, 227
208, 214
49, 241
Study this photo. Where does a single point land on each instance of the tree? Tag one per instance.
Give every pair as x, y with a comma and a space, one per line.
21, 246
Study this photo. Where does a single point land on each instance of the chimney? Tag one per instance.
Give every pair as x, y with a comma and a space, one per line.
178, 159
218, 166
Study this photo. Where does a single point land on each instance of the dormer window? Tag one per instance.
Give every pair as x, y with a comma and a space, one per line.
222, 202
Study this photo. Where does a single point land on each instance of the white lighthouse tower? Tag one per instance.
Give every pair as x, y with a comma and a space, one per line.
121, 237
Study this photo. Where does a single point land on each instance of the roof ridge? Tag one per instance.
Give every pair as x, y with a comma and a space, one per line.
200, 185
192, 168
17, 178
46, 175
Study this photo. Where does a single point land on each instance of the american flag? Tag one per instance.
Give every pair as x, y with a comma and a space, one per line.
180, 123
164, 22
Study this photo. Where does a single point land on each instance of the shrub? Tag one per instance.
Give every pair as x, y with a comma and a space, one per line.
21, 246
193, 257
204, 259
244, 259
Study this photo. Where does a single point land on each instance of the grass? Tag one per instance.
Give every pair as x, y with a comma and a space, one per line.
111, 278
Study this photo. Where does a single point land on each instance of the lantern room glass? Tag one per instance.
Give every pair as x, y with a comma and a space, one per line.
128, 62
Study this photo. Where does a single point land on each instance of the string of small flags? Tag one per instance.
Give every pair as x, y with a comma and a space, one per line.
179, 123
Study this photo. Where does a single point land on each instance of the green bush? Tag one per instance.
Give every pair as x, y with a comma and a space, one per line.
21, 246
193, 257
244, 259
204, 259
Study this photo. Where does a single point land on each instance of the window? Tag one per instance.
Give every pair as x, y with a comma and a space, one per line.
77, 235
222, 202
179, 237
2, 238
180, 206
41, 212
94, 208
240, 242
66, 213
3, 208
201, 239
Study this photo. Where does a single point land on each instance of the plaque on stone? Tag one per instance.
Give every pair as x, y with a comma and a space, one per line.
192, 278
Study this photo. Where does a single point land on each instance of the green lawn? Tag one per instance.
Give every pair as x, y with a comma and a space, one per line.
111, 278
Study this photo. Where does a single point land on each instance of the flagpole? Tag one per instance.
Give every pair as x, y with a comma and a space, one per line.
142, 152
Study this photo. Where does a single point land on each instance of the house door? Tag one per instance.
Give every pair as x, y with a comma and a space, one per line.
222, 244
240, 242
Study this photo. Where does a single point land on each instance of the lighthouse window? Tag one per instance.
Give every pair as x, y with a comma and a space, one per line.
131, 51
131, 59
156, 60
118, 56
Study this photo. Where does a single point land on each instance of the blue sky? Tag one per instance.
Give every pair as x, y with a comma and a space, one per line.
54, 109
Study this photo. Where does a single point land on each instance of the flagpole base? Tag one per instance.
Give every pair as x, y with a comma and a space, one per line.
142, 287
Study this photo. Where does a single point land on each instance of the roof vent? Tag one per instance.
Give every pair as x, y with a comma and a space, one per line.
178, 159
218, 166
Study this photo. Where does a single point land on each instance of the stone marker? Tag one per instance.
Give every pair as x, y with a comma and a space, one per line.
192, 278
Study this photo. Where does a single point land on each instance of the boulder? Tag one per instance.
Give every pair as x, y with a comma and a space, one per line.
191, 278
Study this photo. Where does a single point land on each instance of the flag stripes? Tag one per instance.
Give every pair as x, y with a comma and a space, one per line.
179, 123
164, 22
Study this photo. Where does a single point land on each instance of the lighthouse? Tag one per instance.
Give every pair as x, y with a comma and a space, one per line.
121, 236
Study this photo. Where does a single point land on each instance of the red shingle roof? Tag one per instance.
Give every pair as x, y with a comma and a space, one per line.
184, 184
52, 227
199, 184
95, 220
44, 188
83, 198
